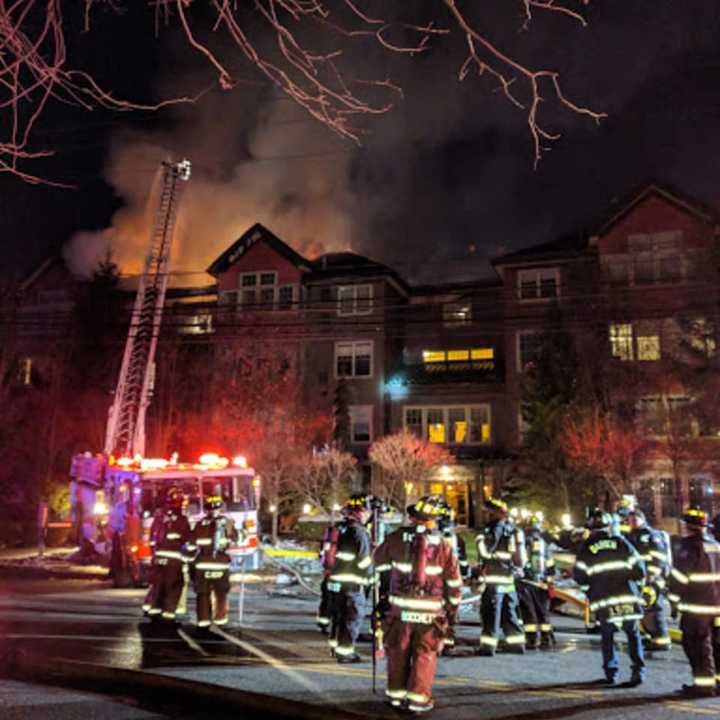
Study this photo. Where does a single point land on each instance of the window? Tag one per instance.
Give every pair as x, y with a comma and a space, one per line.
657, 257
285, 297
355, 299
701, 336
24, 376
528, 346
195, 324
480, 358
451, 425
354, 359
663, 415
457, 314
538, 284
361, 423
627, 343
621, 342
261, 291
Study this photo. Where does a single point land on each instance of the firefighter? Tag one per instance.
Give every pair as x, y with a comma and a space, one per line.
654, 549
211, 538
424, 596
348, 578
500, 553
447, 528
695, 589
171, 533
612, 574
535, 587
328, 553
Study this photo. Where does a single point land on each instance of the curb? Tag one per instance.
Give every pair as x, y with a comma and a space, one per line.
27, 572
163, 689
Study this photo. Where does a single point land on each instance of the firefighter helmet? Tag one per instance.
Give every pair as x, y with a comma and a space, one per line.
428, 507
496, 505
695, 516
359, 502
598, 519
174, 499
213, 502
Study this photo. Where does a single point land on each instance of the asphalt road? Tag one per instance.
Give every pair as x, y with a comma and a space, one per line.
278, 651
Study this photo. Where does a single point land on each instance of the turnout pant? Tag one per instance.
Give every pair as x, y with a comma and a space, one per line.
168, 583
323, 613
411, 650
347, 611
498, 610
535, 612
212, 588
701, 643
654, 622
611, 663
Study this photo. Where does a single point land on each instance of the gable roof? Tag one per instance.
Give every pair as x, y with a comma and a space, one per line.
257, 233
351, 265
667, 193
567, 246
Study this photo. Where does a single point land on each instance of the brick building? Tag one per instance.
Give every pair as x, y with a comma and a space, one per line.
446, 361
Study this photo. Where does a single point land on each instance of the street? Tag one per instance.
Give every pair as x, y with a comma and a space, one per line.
279, 652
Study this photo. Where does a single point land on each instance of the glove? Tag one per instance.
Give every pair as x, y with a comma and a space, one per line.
551, 589
649, 596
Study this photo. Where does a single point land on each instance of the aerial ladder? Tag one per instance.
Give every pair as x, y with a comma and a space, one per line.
125, 434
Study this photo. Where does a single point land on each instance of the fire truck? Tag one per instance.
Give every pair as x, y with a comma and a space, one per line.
116, 494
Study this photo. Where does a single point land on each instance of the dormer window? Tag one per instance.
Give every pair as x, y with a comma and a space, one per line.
539, 284
260, 291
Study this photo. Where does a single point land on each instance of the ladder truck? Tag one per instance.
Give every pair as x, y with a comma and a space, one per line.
114, 494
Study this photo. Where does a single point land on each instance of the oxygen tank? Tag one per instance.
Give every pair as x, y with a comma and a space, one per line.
419, 560
330, 547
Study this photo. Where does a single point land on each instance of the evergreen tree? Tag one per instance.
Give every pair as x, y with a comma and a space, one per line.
341, 415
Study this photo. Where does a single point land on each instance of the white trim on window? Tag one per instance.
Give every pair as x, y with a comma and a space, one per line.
352, 350
518, 355
446, 411
536, 276
361, 415
349, 300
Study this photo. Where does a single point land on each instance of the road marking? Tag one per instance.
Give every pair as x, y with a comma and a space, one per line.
690, 707
191, 642
269, 659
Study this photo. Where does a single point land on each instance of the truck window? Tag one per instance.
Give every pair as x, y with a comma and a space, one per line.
243, 496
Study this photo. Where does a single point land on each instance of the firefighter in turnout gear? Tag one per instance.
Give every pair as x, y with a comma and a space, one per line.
612, 573
211, 538
654, 548
501, 554
534, 588
695, 589
446, 526
328, 553
424, 595
348, 578
170, 534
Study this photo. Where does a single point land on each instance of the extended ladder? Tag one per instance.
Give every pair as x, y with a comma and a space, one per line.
126, 422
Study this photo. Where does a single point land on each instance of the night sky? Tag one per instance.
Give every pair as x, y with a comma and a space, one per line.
440, 183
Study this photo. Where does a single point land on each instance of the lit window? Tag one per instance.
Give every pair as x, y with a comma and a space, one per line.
25, 371
458, 359
355, 300
456, 314
452, 425
354, 359
436, 425
360, 423
538, 284
621, 341
648, 347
